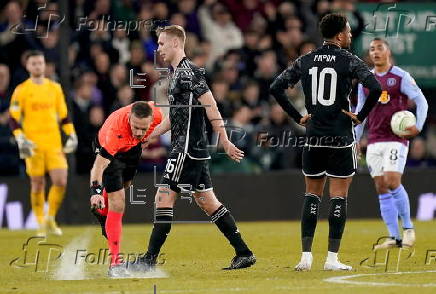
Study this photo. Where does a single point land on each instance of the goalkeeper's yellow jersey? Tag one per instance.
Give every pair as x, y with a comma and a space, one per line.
37, 110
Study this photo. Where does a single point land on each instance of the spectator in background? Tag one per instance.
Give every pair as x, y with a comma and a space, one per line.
89, 117
220, 91
279, 151
124, 97
5, 90
50, 71
101, 66
243, 12
118, 75
250, 98
90, 78
188, 9
266, 71
219, 29
10, 163
242, 129
249, 52
13, 40
123, 10
418, 154
121, 43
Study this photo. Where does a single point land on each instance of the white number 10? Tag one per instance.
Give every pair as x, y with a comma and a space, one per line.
318, 87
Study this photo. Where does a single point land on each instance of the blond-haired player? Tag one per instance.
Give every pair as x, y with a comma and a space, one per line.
37, 109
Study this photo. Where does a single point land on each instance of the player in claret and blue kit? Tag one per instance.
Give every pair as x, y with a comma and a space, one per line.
387, 153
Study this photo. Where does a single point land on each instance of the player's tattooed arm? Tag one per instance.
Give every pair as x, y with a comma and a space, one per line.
100, 164
288, 78
218, 126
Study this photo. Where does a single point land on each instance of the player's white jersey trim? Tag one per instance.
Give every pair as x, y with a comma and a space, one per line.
196, 158
335, 176
203, 190
189, 123
314, 175
179, 166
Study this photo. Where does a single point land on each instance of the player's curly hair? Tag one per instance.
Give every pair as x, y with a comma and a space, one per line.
141, 109
332, 24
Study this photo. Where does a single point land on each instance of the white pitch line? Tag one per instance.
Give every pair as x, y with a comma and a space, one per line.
345, 279
67, 268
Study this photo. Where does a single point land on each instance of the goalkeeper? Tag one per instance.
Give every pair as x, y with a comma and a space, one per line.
37, 109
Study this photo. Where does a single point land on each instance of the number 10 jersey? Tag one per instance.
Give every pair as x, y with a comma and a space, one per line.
326, 75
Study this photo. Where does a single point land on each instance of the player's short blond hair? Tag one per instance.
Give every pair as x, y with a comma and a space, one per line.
173, 30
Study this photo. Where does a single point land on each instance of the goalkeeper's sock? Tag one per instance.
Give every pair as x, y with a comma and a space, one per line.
227, 225
55, 197
113, 231
337, 219
104, 211
309, 219
37, 200
161, 229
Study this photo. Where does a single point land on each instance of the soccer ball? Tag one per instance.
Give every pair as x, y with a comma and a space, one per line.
401, 120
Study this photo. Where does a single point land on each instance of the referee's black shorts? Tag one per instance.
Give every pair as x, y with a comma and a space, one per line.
183, 174
329, 161
122, 168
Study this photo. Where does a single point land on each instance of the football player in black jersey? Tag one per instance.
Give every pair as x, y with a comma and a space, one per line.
187, 166
326, 75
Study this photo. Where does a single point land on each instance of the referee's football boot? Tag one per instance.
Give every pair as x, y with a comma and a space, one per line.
144, 263
118, 271
239, 262
101, 219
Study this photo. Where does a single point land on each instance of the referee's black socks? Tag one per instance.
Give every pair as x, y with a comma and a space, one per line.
226, 224
161, 229
337, 219
309, 218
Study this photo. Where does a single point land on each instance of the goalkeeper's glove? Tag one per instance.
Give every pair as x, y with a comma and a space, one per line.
70, 144
25, 146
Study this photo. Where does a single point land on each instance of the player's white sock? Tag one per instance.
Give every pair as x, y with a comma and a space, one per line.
332, 257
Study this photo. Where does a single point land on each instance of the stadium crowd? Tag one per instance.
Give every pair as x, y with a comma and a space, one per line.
242, 45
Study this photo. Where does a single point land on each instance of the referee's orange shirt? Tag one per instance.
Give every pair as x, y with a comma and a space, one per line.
115, 136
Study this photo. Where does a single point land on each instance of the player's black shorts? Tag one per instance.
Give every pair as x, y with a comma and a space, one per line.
121, 169
328, 161
183, 173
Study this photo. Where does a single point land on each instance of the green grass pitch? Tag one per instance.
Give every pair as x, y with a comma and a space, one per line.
195, 254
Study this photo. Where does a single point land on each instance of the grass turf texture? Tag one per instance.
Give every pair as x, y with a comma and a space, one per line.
195, 254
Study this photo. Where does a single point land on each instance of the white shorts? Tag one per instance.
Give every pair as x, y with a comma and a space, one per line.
386, 157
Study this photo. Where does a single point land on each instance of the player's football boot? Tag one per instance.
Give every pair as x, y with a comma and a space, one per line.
102, 220
144, 263
52, 227
241, 262
336, 266
409, 237
305, 263
118, 271
389, 243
